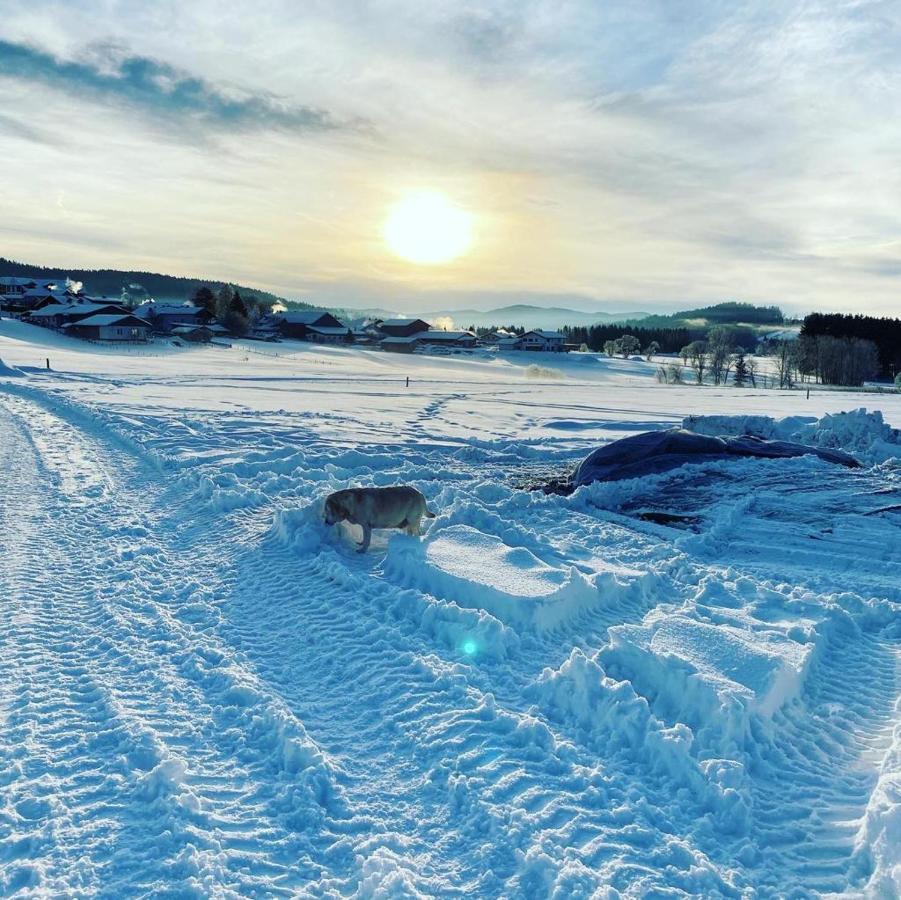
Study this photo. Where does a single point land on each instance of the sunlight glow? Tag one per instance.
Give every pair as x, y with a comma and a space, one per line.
427, 228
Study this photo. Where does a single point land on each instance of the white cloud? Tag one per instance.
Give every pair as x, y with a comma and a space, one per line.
629, 151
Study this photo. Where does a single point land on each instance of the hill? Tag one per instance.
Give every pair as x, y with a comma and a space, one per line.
728, 313
520, 314
111, 282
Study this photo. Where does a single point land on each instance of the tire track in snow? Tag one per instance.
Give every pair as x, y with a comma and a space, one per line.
461, 787
194, 771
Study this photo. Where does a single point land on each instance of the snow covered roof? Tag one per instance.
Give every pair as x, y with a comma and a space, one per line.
17, 281
44, 292
399, 323
303, 316
547, 335
108, 319
63, 309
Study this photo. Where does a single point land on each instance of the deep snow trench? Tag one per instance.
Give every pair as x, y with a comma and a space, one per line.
207, 692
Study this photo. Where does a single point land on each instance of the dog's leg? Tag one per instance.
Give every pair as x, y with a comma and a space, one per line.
416, 527
367, 537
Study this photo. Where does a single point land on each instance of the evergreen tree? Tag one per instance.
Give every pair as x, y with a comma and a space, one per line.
204, 298
236, 305
741, 370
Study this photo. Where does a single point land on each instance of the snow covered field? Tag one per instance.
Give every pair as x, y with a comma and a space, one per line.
207, 692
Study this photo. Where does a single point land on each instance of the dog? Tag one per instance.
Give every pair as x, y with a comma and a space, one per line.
387, 507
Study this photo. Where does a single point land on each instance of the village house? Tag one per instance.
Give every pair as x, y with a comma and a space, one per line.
166, 316
399, 344
494, 338
266, 328
446, 338
547, 341
296, 323
428, 338
402, 327
324, 334
196, 334
21, 295
56, 314
11, 286
113, 327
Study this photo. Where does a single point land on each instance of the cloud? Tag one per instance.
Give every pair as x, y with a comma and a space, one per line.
109, 75
16, 127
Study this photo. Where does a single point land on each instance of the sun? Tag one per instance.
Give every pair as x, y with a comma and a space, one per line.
426, 228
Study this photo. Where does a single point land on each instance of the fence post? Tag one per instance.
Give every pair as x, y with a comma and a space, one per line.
48, 362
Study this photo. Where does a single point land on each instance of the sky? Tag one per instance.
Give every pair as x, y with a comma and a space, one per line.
613, 155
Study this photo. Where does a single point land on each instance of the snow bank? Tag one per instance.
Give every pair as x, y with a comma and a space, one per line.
10, 371
479, 571
617, 720
863, 433
712, 677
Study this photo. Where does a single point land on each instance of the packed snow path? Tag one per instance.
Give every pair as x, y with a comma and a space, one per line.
206, 691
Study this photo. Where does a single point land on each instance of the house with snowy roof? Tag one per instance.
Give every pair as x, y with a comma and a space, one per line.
110, 327
428, 338
56, 315
546, 341
20, 295
298, 324
165, 316
12, 285
494, 338
440, 338
402, 327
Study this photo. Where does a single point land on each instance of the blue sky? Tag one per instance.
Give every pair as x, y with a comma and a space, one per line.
641, 154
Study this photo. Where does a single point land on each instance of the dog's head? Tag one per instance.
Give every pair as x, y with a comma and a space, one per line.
334, 510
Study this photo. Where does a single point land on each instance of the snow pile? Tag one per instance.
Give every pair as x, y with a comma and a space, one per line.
862, 433
479, 571
10, 371
712, 677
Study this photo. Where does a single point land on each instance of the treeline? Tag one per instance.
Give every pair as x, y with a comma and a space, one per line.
883, 333
129, 283
730, 313
668, 340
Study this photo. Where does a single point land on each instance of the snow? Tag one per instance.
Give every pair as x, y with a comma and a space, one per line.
207, 691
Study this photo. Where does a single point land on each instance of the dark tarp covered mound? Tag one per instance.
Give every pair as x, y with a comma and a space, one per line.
659, 451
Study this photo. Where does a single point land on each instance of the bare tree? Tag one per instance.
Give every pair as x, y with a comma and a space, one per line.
787, 357
697, 357
719, 343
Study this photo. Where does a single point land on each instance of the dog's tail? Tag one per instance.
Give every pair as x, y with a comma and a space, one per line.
429, 514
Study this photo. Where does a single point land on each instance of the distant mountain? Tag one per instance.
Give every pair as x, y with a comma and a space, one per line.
517, 314
111, 282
